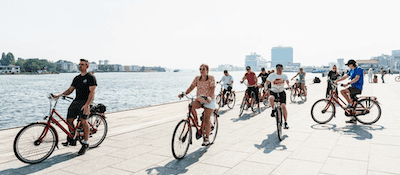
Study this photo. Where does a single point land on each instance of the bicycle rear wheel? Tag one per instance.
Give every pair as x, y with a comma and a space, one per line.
181, 139
397, 78
231, 100
242, 106
293, 94
323, 111
369, 116
219, 101
214, 128
279, 123
98, 130
27, 145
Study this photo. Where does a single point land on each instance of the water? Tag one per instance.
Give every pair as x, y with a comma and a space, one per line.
23, 98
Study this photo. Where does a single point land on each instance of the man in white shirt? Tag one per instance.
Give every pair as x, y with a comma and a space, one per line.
227, 82
278, 82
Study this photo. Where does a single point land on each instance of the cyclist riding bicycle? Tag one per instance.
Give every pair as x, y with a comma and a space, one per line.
227, 82
85, 85
278, 82
251, 78
264, 75
357, 81
205, 97
302, 81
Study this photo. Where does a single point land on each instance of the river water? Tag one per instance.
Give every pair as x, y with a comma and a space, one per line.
23, 98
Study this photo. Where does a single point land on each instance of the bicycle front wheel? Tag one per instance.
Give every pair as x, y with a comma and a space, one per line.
231, 100
181, 139
293, 95
214, 128
323, 111
279, 123
98, 130
397, 78
219, 101
242, 106
254, 102
34, 144
367, 111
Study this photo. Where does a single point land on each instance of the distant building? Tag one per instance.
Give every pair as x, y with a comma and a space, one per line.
127, 68
281, 55
136, 68
256, 62
366, 64
67, 65
117, 67
10, 69
384, 61
93, 67
100, 62
340, 63
106, 62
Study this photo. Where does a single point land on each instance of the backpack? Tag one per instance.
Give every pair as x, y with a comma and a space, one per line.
99, 108
317, 80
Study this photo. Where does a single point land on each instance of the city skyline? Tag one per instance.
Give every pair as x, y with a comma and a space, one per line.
181, 34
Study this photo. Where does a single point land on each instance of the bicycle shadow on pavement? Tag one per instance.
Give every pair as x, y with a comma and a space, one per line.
248, 116
35, 168
222, 112
178, 166
271, 143
360, 132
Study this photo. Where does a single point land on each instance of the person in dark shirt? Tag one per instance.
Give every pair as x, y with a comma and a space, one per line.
332, 75
264, 75
85, 85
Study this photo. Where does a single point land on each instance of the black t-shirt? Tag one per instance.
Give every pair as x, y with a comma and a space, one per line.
332, 75
263, 77
82, 84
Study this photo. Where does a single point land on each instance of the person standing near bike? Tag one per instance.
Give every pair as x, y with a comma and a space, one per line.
251, 78
332, 75
227, 82
357, 82
383, 73
205, 95
85, 85
302, 81
278, 82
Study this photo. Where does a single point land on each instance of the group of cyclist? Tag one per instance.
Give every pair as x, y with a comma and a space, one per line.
85, 86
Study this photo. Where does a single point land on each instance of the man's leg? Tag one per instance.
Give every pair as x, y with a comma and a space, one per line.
271, 102
345, 93
283, 105
86, 130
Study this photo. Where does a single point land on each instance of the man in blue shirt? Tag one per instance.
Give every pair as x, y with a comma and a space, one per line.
356, 75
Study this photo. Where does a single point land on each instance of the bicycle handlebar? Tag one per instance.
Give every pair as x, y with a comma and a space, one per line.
62, 96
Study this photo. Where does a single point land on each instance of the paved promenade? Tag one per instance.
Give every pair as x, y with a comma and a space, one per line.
139, 142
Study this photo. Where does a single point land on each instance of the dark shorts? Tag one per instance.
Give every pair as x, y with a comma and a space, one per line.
74, 110
282, 96
228, 90
354, 91
255, 90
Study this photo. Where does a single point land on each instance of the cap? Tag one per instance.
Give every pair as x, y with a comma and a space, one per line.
248, 67
279, 66
351, 62
262, 69
225, 71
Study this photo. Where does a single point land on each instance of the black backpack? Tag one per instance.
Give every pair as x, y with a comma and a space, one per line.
317, 80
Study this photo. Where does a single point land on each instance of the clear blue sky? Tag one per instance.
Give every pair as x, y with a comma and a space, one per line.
184, 34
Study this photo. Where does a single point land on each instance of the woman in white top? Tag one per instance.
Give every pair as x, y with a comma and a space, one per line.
370, 75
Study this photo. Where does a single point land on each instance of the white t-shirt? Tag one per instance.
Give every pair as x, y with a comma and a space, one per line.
274, 87
226, 80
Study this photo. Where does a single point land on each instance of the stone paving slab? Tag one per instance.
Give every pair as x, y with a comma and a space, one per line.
139, 142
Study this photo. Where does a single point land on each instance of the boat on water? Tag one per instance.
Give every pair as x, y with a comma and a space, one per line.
177, 70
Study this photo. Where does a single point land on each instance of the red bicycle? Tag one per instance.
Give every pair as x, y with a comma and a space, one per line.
248, 102
366, 109
182, 136
297, 92
37, 141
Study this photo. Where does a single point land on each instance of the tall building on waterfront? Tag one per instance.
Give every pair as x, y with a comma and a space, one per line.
281, 55
106, 62
256, 62
340, 65
100, 62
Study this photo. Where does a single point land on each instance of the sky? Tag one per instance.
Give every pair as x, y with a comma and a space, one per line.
184, 34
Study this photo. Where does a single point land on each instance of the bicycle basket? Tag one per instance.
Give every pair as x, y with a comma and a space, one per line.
99, 108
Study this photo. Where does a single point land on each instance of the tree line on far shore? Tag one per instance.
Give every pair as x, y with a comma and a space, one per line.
32, 65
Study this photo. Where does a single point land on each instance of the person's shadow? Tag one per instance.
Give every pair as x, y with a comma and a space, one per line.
361, 132
271, 143
248, 116
30, 169
179, 166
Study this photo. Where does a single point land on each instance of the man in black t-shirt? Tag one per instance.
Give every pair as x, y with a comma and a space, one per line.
85, 85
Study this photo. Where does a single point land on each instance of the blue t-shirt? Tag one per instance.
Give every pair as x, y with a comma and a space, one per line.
353, 73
